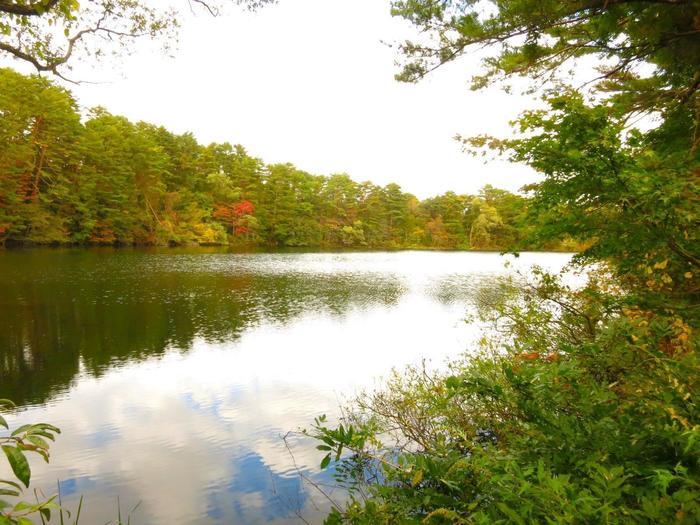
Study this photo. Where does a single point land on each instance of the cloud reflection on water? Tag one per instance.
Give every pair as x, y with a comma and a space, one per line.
191, 425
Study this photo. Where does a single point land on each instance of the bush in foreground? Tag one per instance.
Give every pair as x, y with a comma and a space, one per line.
578, 410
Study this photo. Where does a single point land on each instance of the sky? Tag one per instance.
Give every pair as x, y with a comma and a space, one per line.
311, 82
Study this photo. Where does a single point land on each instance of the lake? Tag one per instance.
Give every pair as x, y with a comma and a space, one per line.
173, 374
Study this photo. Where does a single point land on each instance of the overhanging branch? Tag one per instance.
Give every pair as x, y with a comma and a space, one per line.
32, 9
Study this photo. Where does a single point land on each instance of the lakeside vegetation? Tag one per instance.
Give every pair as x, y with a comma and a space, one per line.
580, 406
108, 181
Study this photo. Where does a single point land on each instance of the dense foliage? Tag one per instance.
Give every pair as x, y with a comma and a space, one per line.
580, 406
583, 413
110, 181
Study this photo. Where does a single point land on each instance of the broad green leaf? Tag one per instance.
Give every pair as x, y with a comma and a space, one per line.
19, 463
38, 442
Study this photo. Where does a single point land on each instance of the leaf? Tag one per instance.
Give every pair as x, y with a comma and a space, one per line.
47, 435
38, 442
19, 463
510, 513
46, 513
22, 429
23, 505
8, 492
417, 478
325, 461
10, 483
50, 428
3, 422
453, 382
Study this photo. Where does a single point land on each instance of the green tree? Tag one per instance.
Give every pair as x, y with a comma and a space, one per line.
625, 193
536, 39
39, 130
291, 201
486, 229
111, 181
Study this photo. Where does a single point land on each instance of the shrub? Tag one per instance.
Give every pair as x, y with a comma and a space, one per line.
578, 409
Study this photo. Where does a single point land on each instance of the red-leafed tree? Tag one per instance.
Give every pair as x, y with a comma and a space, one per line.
243, 208
235, 216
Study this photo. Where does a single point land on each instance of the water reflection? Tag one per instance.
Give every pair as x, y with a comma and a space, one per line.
92, 310
174, 374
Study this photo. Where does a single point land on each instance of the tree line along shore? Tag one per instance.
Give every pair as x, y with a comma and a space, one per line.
104, 180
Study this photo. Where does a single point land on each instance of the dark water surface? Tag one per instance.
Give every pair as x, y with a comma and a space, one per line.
173, 374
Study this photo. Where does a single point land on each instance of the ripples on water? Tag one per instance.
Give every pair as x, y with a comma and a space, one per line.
174, 374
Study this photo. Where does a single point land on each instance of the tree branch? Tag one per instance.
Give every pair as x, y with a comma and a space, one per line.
34, 9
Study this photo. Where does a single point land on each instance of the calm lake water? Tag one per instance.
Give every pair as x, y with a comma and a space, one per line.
173, 374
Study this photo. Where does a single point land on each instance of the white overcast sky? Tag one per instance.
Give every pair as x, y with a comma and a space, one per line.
310, 82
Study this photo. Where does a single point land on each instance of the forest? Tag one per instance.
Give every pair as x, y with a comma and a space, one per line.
108, 181
579, 402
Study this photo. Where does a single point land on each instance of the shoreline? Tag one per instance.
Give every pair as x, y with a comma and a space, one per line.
225, 248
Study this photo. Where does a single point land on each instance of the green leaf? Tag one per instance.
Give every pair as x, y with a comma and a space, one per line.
24, 506
22, 429
19, 463
46, 513
510, 513
417, 478
453, 382
50, 428
3, 422
47, 435
39, 442
325, 461
10, 483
